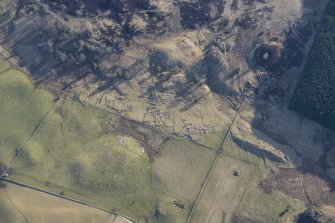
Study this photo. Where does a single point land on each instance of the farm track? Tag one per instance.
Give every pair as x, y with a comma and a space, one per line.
17, 208
65, 198
219, 152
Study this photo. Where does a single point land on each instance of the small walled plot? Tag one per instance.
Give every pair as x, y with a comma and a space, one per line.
181, 168
223, 191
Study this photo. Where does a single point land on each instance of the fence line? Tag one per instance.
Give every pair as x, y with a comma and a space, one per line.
29, 139
65, 198
215, 160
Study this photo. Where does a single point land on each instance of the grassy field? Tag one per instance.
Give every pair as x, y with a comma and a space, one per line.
181, 168
74, 154
4, 66
269, 207
223, 191
256, 205
22, 108
22, 205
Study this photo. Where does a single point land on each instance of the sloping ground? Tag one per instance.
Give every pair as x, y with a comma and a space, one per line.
75, 155
139, 76
75, 151
300, 184
153, 61
269, 207
21, 205
22, 108
160, 63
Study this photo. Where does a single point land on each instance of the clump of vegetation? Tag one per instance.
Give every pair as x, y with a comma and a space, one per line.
311, 215
314, 96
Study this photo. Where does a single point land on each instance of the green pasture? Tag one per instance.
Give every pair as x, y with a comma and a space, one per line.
22, 107
74, 155
181, 168
269, 207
